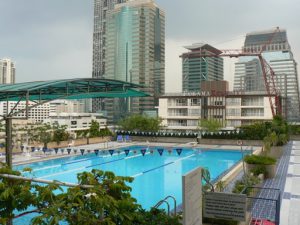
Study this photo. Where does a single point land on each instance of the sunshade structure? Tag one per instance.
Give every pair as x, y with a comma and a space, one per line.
69, 89
41, 92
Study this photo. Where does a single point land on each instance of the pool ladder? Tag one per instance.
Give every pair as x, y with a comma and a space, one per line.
165, 200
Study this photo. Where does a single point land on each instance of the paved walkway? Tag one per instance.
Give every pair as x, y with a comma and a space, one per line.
287, 180
290, 207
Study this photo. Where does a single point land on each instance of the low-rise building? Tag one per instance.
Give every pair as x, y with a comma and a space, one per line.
37, 114
182, 111
76, 121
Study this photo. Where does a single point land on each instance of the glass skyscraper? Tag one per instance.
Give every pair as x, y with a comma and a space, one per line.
101, 9
277, 52
196, 69
135, 52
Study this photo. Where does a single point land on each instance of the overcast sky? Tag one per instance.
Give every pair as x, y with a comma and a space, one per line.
52, 39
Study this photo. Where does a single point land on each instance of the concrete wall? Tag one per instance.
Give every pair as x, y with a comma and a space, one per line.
229, 142
163, 139
201, 141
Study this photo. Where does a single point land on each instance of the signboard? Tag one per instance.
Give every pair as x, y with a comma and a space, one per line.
225, 206
192, 197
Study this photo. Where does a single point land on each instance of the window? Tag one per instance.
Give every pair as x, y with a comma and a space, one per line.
219, 103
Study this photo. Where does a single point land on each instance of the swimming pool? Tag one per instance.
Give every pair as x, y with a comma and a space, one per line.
155, 176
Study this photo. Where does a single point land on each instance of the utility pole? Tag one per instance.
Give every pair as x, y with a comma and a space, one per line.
8, 146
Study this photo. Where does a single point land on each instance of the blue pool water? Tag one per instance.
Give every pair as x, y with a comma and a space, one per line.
155, 176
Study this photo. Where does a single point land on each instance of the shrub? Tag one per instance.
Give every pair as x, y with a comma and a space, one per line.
260, 160
246, 181
259, 169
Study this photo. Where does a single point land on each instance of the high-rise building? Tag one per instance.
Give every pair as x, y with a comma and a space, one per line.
101, 9
7, 71
135, 52
277, 52
248, 75
196, 69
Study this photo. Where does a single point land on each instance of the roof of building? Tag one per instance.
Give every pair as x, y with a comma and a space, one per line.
263, 37
196, 47
79, 88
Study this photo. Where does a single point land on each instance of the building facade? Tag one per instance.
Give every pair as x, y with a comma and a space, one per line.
277, 52
7, 72
101, 9
67, 106
182, 111
135, 52
76, 121
248, 75
36, 114
196, 69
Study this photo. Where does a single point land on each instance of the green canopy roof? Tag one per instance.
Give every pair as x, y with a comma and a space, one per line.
79, 88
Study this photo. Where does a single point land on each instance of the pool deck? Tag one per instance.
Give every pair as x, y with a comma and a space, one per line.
290, 207
287, 180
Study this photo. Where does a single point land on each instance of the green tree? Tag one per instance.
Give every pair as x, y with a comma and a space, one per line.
59, 133
140, 123
106, 201
210, 125
44, 133
94, 130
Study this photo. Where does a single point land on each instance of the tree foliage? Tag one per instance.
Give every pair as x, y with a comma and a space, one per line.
210, 125
106, 202
94, 129
59, 133
44, 133
140, 123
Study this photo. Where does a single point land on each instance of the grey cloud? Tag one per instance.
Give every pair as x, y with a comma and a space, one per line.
54, 38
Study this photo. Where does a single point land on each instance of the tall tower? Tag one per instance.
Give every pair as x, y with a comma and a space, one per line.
277, 52
101, 9
248, 75
7, 72
135, 51
196, 69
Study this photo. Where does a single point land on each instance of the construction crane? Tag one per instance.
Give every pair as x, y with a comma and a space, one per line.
268, 73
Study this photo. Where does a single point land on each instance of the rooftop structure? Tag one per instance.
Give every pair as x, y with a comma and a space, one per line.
196, 69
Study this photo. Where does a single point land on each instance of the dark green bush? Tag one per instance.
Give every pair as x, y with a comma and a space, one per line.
259, 169
246, 181
260, 160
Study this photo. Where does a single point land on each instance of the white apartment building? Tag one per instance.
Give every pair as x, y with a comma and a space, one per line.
7, 71
76, 121
67, 106
182, 111
37, 114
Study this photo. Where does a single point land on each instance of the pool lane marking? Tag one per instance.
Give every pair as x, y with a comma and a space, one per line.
63, 172
59, 165
63, 164
43, 168
104, 163
166, 164
94, 157
66, 171
189, 156
134, 156
81, 168
130, 157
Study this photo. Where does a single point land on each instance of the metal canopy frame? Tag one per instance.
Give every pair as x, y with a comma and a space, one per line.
41, 92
